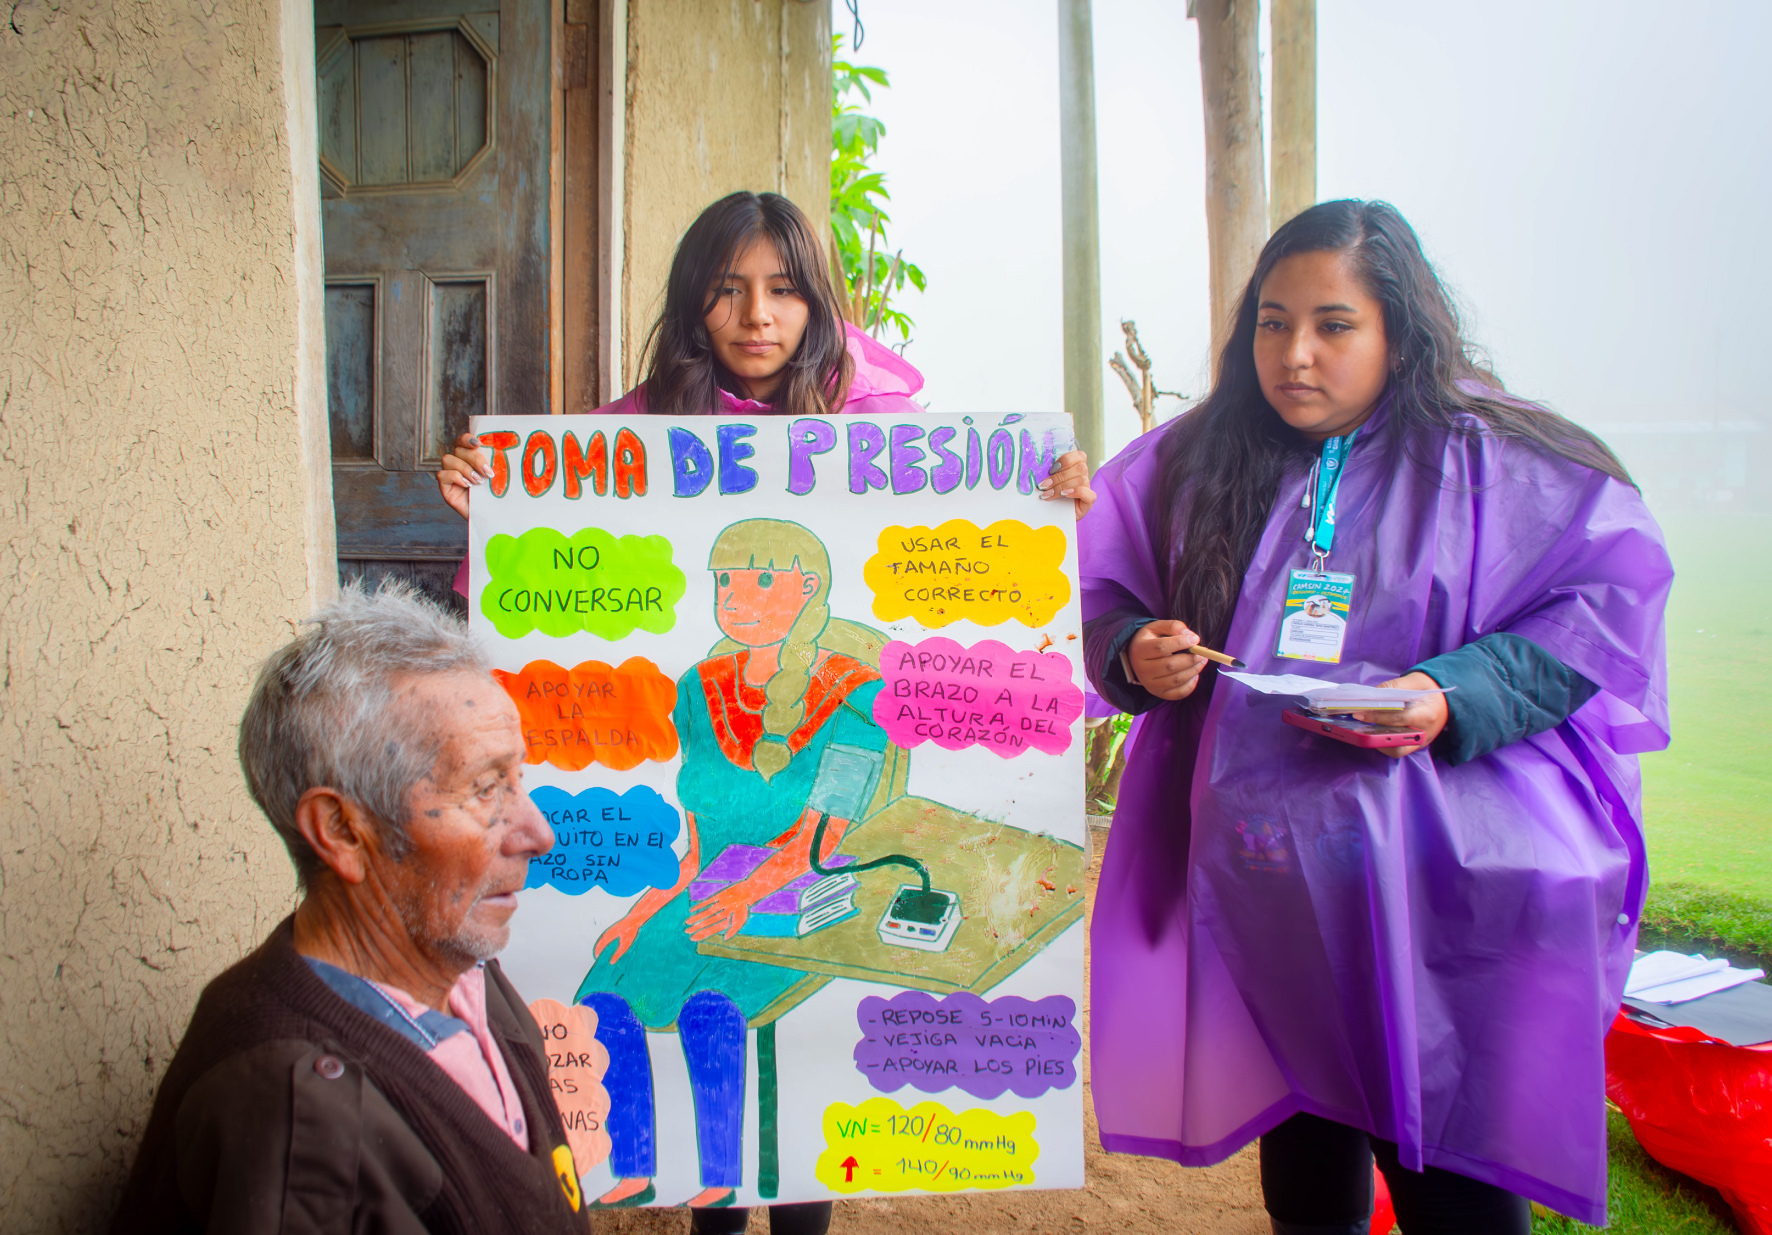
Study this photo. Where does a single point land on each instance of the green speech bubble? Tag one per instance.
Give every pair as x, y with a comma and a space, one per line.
593, 582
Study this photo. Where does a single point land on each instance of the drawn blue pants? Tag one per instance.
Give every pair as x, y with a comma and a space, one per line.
633, 1149
712, 1031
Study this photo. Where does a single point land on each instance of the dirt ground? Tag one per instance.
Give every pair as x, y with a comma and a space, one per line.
1139, 1196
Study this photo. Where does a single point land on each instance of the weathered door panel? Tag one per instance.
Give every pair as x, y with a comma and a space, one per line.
427, 233
435, 148
400, 505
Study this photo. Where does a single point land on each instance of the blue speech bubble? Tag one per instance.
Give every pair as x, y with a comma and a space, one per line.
618, 842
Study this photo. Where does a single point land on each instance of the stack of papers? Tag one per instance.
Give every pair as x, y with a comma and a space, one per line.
1668, 977
1323, 696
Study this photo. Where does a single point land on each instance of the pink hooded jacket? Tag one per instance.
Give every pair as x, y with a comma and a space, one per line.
882, 386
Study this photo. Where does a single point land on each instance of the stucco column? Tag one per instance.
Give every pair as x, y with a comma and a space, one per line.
163, 468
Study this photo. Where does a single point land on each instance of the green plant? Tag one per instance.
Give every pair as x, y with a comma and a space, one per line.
1104, 762
870, 273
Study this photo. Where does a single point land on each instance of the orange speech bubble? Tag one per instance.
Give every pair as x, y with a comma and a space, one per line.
577, 1063
593, 713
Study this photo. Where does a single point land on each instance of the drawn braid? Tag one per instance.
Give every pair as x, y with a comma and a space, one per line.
774, 544
786, 691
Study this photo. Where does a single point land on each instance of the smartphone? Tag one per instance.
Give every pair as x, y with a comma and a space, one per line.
1353, 732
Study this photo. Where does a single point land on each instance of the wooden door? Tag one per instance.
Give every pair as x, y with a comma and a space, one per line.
436, 165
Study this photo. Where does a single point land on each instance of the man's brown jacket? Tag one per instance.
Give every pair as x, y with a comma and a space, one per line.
287, 1109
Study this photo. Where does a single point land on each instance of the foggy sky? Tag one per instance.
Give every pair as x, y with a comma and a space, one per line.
1591, 179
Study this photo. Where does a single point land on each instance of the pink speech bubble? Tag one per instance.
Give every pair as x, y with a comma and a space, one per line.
985, 695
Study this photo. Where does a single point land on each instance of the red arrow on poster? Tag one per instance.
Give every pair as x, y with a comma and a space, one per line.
849, 1164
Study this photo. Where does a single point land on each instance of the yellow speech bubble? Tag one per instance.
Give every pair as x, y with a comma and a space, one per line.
880, 1146
961, 571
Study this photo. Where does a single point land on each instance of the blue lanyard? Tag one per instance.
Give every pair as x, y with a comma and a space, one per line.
1320, 495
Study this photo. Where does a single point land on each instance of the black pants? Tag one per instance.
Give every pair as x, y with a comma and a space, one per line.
810, 1218
1317, 1175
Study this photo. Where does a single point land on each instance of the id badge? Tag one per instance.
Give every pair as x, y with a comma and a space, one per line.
1314, 625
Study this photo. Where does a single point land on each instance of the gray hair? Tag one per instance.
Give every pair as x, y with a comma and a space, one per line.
325, 711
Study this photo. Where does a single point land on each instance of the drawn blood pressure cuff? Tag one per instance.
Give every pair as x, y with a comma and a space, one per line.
846, 779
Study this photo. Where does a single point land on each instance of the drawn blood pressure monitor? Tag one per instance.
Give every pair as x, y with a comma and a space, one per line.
920, 918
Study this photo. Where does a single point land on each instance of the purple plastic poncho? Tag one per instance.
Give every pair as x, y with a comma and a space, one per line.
1430, 953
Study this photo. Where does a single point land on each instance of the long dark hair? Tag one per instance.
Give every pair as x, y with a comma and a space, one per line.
1221, 463
682, 376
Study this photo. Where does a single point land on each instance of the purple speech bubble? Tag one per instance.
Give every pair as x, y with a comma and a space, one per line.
964, 1042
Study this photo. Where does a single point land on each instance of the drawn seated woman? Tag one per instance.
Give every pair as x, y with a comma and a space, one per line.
755, 719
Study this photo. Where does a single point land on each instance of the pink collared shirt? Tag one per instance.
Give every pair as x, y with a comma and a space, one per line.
472, 1060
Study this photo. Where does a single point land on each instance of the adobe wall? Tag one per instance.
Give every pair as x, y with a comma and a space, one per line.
721, 97
160, 534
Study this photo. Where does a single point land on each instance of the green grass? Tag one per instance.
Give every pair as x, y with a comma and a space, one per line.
1735, 922
1707, 804
1643, 1197
1708, 797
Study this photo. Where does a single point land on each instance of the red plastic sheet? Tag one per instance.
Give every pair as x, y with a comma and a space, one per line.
1700, 1107
1384, 1215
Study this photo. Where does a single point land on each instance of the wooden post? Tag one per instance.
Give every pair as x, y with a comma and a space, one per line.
575, 203
1294, 173
1082, 228
612, 140
1236, 190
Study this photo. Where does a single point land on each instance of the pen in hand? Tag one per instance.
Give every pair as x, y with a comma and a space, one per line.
1166, 658
1200, 649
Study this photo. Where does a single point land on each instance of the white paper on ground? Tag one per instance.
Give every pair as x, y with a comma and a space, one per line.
1699, 987
1668, 977
1653, 969
1342, 696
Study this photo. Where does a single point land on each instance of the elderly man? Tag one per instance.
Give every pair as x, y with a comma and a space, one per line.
369, 1067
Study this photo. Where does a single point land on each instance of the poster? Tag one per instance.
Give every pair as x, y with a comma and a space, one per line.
802, 700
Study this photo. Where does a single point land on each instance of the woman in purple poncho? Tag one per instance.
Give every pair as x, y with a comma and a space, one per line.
1415, 952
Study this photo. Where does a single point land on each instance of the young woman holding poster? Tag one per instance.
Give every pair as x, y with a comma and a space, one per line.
1412, 952
750, 326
